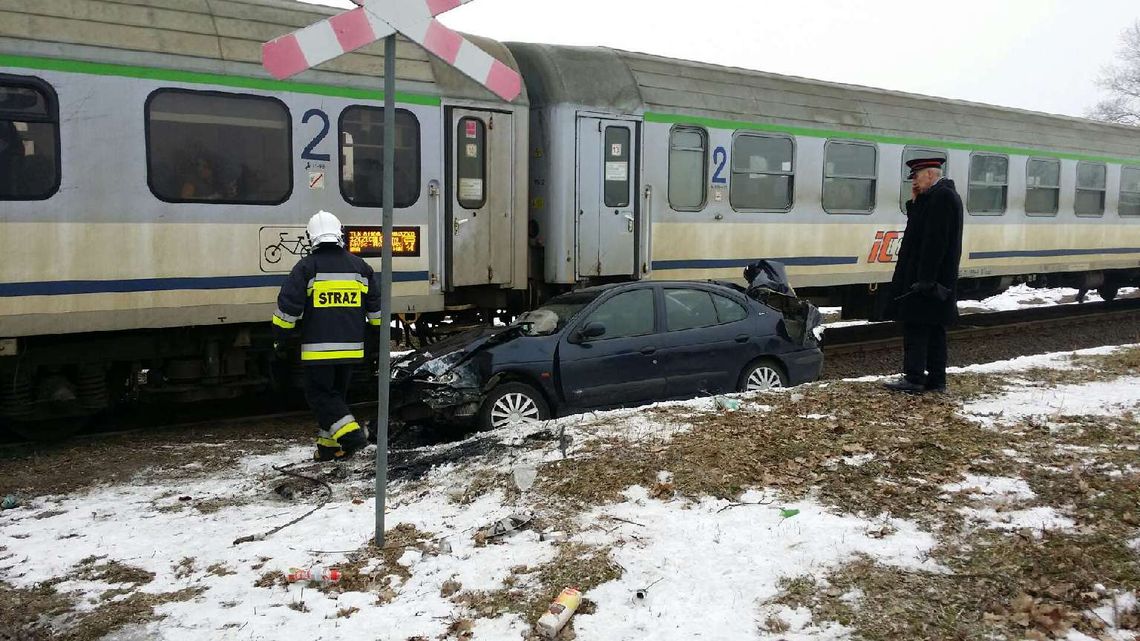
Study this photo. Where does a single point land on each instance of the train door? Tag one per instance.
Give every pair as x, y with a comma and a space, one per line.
480, 205
607, 186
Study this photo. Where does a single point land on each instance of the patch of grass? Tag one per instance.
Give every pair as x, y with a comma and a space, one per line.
576, 565
219, 569
113, 572
270, 579
397, 541
485, 482
918, 443
25, 612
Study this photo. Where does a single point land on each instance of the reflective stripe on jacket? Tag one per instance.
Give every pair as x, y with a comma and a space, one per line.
330, 293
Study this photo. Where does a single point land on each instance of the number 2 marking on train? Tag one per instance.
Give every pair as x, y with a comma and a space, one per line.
720, 157
308, 153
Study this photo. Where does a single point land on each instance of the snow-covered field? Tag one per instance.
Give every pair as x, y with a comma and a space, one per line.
658, 560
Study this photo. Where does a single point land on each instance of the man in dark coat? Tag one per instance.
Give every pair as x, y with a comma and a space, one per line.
926, 276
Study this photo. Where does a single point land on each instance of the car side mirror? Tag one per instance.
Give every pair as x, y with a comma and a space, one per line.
593, 329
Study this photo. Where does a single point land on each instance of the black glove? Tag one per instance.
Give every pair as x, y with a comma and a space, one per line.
923, 287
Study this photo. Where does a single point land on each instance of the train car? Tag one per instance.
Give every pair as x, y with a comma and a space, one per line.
649, 167
155, 183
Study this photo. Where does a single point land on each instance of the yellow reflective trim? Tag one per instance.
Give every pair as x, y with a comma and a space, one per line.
351, 427
376, 322
327, 442
278, 321
328, 356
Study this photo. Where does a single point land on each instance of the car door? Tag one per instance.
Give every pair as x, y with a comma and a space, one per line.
619, 367
706, 343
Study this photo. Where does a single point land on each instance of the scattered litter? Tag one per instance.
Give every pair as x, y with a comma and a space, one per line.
641, 593
444, 546
559, 612
10, 502
185, 498
505, 526
554, 537
788, 513
727, 404
524, 477
317, 574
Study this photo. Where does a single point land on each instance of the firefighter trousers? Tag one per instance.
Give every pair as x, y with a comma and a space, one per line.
326, 390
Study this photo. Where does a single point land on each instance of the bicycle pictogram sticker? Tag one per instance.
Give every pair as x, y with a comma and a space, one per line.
288, 242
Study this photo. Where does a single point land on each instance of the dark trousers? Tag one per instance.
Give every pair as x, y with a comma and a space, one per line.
326, 390
925, 354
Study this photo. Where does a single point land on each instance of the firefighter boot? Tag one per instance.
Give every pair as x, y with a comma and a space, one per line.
328, 450
353, 440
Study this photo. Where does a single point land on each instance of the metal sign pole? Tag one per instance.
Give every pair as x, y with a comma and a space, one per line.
386, 284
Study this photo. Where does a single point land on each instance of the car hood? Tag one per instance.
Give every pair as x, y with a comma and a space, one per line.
454, 350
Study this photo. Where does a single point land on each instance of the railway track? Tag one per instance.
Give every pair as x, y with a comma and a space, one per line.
877, 336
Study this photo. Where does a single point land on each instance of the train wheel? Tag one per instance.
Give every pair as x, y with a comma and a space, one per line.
1108, 292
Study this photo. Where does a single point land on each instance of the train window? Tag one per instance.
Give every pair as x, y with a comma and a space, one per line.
763, 173
617, 167
1042, 186
362, 157
471, 163
1130, 191
688, 163
211, 147
989, 184
850, 172
29, 139
910, 153
1090, 189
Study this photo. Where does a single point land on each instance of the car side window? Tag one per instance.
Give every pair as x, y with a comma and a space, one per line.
626, 315
688, 308
728, 310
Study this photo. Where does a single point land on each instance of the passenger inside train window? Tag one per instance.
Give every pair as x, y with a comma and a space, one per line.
208, 147
29, 133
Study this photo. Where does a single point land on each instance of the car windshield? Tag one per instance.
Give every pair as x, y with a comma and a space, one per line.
554, 315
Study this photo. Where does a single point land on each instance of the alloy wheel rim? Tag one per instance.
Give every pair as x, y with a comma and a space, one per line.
514, 408
763, 378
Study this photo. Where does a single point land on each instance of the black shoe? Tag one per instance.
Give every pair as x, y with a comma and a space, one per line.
353, 441
935, 389
327, 453
903, 384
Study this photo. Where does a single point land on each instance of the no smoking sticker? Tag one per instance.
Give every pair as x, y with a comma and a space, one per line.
316, 180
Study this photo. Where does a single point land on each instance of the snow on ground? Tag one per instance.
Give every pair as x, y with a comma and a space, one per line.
706, 565
1100, 398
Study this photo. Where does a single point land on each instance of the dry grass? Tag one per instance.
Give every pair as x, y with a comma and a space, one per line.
397, 541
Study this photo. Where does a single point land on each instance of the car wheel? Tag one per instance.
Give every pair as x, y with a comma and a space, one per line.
763, 375
512, 404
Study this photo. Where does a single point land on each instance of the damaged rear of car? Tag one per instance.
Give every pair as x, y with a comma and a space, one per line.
614, 346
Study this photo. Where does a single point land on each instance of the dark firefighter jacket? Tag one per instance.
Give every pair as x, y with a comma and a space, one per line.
332, 295
929, 256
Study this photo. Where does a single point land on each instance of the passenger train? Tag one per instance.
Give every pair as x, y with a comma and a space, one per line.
155, 183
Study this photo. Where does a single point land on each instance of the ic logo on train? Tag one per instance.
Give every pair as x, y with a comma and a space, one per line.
886, 247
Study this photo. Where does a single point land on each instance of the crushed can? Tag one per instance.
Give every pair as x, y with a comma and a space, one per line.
318, 574
559, 613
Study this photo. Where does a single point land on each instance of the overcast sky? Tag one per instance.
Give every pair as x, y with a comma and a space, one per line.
1043, 55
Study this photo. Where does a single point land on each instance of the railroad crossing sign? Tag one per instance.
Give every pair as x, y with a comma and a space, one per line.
373, 20
291, 54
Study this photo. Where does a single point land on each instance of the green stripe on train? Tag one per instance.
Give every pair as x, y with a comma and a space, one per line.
713, 123
202, 78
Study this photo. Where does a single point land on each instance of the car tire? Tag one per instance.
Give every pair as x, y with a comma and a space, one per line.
511, 404
763, 374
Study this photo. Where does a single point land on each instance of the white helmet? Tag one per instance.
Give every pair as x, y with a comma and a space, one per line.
324, 228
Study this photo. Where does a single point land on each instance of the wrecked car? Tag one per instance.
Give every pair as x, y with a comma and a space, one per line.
613, 346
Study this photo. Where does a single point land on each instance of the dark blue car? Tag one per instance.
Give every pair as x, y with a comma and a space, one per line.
612, 346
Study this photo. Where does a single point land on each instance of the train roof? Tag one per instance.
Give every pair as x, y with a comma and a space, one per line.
676, 90
218, 37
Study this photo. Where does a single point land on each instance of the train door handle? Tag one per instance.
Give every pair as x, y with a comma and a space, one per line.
628, 221
458, 222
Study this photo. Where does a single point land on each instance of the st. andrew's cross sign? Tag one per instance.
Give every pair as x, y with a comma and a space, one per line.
291, 54
373, 20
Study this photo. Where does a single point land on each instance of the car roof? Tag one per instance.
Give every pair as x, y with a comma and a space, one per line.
655, 283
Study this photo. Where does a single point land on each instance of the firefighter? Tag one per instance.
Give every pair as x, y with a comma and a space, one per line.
331, 294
